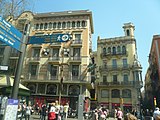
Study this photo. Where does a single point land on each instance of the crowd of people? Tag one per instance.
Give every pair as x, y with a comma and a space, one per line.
50, 111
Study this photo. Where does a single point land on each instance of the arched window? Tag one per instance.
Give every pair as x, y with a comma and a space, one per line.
64, 25
119, 49
45, 26
114, 50
59, 25
68, 24
83, 23
50, 25
41, 26
104, 50
109, 50
54, 25
73, 24
32, 88
37, 26
123, 50
51, 89
115, 93
78, 23
105, 93
126, 93
128, 33
74, 90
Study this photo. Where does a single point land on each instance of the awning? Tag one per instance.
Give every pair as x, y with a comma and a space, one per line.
6, 81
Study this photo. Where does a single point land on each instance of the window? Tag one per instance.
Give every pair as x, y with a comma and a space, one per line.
64, 25
115, 93
78, 23
126, 93
68, 24
41, 26
50, 25
83, 23
37, 26
33, 69
114, 50
55, 53
104, 51
41, 89
2, 51
104, 79
125, 63
105, 93
76, 52
109, 50
115, 79
73, 24
74, 90
137, 76
36, 53
75, 70
123, 50
128, 33
119, 49
32, 88
54, 25
114, 63
51, 89
45, 26
59, 25
77, 37
53, 72
125, 78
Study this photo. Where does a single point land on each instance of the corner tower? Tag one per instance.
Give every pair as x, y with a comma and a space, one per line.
129, 29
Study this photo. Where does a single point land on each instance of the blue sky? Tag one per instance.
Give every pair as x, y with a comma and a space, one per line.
109, 17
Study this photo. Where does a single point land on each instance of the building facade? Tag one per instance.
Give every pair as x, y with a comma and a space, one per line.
57, 70
152, 84
119, 71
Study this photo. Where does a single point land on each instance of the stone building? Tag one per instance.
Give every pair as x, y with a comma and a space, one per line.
120, 78
152, 78
58, 70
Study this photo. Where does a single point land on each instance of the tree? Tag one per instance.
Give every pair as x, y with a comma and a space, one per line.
13, 7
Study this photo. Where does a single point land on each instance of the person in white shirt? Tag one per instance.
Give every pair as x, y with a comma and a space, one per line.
156, 114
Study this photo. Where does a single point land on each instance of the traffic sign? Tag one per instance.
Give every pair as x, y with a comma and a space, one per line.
49, 38
10, 35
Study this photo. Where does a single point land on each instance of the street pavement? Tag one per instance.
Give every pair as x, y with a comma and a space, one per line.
37, 117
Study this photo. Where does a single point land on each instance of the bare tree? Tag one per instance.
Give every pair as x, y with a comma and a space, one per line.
13, 7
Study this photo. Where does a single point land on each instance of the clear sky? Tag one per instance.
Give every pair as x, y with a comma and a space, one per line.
109, 17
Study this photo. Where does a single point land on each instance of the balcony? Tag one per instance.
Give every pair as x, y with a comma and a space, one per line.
129, 83
34, 59
54, 59
75, 59
114, 67
77, 43
116, 54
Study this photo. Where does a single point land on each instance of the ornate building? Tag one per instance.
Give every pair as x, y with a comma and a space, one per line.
120, 78
152, 84
56, 70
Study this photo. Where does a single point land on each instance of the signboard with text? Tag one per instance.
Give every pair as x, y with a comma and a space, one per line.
48, 38
10, 35
11, 110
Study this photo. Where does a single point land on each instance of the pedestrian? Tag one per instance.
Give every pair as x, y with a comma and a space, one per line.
66, 109
51, 113
28, 112
119, 114
57, 109
43, 112
23, 110
61, 111
95, 115
156, 114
